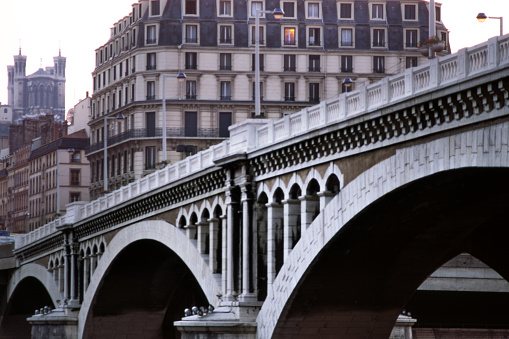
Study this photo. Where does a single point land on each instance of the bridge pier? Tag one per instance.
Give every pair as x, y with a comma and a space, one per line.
60, 323
226, 322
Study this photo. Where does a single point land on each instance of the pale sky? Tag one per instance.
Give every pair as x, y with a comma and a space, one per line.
79, 27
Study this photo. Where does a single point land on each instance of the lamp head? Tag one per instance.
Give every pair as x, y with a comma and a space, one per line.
70, 150
481, 17
278, 13
120, 117
347, 82
181, 76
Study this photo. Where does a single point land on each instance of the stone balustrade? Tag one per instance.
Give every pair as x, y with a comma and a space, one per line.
260, 133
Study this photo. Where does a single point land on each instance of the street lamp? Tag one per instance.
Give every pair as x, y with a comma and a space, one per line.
181, 77
119, 118
349, 82
278, 14
481, 17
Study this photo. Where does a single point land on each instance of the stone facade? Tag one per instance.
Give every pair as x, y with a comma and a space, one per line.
304, 58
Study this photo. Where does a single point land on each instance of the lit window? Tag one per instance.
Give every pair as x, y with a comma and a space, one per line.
289, 36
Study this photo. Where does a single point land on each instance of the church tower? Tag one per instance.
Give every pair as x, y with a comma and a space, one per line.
59, 82
17, 85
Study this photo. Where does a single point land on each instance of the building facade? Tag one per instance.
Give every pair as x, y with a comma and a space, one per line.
304, 58
42, 92
59, 174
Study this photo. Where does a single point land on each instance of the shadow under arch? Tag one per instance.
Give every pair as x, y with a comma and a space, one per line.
31, 287
147, 275
359, 282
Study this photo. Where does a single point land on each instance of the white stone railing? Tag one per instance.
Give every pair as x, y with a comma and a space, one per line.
259, 133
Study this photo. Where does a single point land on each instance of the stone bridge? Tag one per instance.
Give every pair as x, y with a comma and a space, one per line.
333, 222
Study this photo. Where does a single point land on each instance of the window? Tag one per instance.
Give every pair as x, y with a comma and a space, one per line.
114, 72
225, 121
261, 62
225, 34
191, 124
75, 176
443, 37
314, 92
410, 12
378, 64
151, 90
192, 34
225, 61
314, 63
289, 9
411, 38
411, 62
191, 7
289, 63
345, 11
261, 91
74, 196
313, 10
191, 58
151, 34
155, 7
190, 89
378, 37
289, 91
346, 37
225, 90
150, 157
377, 12
261, 35
438, 14
76, 157
256, 6
151, 61
224, 8
289, 36
314, 36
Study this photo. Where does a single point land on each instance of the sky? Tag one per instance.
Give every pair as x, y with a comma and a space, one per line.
79, 27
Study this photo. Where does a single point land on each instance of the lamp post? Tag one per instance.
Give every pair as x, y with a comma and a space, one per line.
119, 118
481, 17
181, 77
278, 14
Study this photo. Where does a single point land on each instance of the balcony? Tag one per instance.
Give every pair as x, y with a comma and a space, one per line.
143, 133
151, 67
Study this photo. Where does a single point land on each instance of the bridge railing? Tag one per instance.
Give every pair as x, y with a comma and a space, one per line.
438, 72
259, 133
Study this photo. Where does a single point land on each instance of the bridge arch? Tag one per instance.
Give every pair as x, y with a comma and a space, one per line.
453, 161
30, 287
159, 232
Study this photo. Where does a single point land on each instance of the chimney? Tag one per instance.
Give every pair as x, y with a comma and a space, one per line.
85, 97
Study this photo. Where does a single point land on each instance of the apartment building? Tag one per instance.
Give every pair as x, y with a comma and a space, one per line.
304, 58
